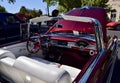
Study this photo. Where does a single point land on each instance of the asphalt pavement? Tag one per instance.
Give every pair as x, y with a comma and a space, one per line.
116, 72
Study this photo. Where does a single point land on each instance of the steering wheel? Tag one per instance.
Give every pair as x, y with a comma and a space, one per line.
34, 43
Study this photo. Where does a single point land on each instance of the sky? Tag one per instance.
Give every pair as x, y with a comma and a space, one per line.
29, 4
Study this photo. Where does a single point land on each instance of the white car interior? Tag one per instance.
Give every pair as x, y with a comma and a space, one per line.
19, 66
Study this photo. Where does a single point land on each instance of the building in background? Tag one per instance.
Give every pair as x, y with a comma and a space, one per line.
114, 15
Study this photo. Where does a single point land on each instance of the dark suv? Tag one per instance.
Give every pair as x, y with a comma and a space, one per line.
9, 27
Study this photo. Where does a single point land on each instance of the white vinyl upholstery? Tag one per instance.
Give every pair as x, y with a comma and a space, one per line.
71, 70
7, 69
46, 62
38, 72
7, 60
6, 53
27, 70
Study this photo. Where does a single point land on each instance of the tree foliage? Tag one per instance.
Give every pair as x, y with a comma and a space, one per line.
50, 2
2, 9
66, 5
10, 1
30, 12
98, 3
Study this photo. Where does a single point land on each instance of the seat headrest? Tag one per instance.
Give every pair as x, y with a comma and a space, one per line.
6, 53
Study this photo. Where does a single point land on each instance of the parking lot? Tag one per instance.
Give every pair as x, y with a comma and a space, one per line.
116, 72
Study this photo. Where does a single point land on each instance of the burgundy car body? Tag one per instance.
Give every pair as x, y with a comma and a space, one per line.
97, 13
94, 67
78, 41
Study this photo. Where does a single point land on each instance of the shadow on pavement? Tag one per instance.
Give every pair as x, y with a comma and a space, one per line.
116, 72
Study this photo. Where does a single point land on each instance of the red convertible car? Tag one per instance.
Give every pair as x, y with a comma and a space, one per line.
113, 26
75, 49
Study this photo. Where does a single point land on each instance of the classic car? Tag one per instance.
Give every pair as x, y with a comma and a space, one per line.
73, 50
113, 26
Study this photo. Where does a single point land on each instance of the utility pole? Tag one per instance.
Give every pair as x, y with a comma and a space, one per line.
47, 8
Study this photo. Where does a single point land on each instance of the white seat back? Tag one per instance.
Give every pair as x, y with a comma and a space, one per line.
7, 70
38, 72
71, 70
6, 53
27, 70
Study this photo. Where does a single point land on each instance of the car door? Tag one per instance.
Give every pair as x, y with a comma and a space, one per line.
2, 32
12, 27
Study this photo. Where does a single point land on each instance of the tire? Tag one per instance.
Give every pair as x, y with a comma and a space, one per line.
118, 27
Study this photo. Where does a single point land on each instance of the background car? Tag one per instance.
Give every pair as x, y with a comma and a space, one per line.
13, 28
113, 26
9, 27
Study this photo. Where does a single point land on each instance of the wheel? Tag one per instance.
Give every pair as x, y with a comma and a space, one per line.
118, 27
33, 44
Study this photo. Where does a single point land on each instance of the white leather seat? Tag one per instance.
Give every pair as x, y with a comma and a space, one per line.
6, 53
39, 72
27, 70
71, 70
46, 62
8, 71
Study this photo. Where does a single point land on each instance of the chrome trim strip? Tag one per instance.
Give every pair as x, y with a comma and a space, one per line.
90, 69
